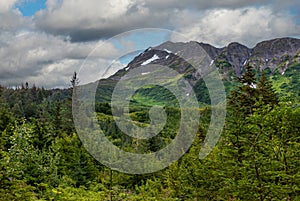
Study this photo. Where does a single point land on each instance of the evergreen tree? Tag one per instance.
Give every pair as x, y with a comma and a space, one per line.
248, 145
74, 80
265, 90
243, 99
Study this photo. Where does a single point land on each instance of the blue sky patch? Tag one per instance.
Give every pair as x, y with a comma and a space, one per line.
30, 7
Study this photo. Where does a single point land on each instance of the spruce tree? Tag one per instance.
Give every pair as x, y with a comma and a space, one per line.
74, 80
267, 94
245, 143
243, 99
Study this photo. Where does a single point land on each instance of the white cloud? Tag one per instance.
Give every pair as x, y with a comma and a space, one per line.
48, 60
13, 21
39, 50
246, 25
7, 5
200, 5
59, 74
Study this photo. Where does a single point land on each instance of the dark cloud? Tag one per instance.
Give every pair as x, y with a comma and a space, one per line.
96, 22
103, 21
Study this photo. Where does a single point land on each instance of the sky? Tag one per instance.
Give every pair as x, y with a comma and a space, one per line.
43, 42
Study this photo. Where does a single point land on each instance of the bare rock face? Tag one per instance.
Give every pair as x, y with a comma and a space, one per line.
275, 53
236, 55
212, 51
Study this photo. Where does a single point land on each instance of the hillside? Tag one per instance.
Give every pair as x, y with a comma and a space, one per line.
279, 58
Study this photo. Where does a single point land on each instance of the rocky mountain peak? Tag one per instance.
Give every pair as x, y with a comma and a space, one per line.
236, 55
212, 51
274, 54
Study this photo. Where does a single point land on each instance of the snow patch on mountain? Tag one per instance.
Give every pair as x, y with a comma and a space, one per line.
145, 73
155, 57
166, 50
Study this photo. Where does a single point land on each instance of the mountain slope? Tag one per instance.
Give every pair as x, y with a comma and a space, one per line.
277, 56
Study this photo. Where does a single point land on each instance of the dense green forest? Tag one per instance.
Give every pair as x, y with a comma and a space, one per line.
257, 157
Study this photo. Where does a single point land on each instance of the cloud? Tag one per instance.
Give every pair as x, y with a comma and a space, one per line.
88, 20
246, 25
201, 5
47, 48
48, 60
93, 19
13, 21
7, 5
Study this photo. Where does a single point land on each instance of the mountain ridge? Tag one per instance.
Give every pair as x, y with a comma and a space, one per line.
277, 56
265, 54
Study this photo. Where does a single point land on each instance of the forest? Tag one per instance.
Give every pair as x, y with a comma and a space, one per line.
256, 158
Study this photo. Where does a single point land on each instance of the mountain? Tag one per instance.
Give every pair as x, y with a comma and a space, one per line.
276, 56
276, 53
270, 54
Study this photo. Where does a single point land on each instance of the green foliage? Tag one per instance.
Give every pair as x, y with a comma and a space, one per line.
244, 97
261, 150
257, 158
266, 93
252, 141
75, 161
68, 193
155, 95
250, 91
202, 92
288, 83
